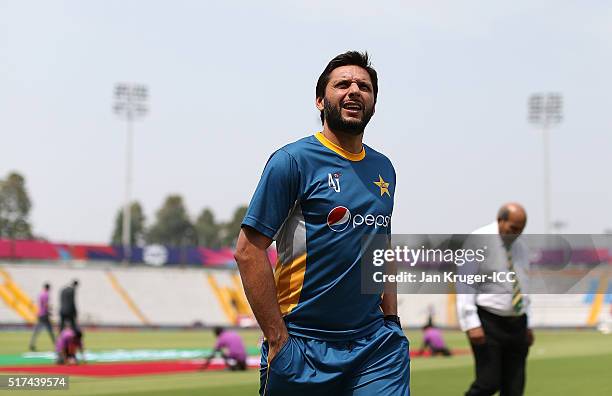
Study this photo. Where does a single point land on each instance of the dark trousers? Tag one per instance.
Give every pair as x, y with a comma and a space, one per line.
236, 365
69, 319
43, 322
501, 360
436, 351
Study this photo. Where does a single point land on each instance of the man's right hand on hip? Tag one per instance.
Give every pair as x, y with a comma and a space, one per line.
476, 336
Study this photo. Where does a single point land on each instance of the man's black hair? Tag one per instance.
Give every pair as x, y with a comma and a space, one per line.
47, 286
218, 331
348, 58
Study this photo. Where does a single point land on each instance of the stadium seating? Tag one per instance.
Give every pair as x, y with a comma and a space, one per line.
114, 295
118, 296
97, 302
173, 296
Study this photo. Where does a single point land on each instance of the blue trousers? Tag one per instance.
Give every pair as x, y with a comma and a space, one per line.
378, 364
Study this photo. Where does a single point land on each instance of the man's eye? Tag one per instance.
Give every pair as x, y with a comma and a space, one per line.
364, 87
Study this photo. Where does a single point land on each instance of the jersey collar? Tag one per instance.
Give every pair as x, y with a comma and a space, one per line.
339, 150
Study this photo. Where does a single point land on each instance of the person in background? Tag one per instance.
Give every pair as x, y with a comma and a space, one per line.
43, 317
433, 340
497, 324
230, 346
68, 311
69, 342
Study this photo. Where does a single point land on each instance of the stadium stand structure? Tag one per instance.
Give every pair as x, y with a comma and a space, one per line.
173, 297
97, 301
8, 315
16, 299
10, 311
227, 287
109, 295
113, 295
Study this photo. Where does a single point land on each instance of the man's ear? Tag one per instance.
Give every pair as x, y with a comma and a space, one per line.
320, 103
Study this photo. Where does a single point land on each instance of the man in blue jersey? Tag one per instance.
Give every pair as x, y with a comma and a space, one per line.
319, 198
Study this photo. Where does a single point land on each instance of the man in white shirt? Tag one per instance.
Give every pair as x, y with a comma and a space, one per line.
497, 324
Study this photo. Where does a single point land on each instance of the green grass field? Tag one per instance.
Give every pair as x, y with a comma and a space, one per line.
560, 363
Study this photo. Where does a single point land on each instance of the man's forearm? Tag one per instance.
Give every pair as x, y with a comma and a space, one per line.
260, 290
389, 298
389, 302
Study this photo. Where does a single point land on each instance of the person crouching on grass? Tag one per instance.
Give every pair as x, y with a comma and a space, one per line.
68, 343
433, 340
229, 344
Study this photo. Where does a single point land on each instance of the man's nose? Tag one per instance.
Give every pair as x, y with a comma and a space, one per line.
354, 89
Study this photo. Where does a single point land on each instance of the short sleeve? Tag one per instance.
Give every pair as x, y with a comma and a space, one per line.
275, 195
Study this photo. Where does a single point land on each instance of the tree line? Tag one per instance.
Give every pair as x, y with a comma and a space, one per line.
172, 225
15, 206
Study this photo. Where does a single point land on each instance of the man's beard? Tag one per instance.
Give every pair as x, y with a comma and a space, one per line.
508, 239
335, 122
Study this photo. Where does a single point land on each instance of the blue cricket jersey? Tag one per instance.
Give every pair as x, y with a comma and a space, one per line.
318, 202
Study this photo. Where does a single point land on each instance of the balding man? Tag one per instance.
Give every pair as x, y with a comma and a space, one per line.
497, 325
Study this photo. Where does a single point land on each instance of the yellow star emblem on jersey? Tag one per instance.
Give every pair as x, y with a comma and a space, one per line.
384, 186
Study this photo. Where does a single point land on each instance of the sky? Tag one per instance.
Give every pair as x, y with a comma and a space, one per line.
230, 82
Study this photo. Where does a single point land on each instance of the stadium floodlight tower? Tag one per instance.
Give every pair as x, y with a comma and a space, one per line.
130, 105
545, 111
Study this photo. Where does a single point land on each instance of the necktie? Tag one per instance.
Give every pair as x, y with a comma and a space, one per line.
517, 296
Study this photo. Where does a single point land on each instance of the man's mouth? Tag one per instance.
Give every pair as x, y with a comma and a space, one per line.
352, 107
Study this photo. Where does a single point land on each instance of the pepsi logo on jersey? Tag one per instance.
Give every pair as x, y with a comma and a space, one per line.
339, 218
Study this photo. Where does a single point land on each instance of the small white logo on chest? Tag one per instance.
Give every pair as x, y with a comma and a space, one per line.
333, 181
